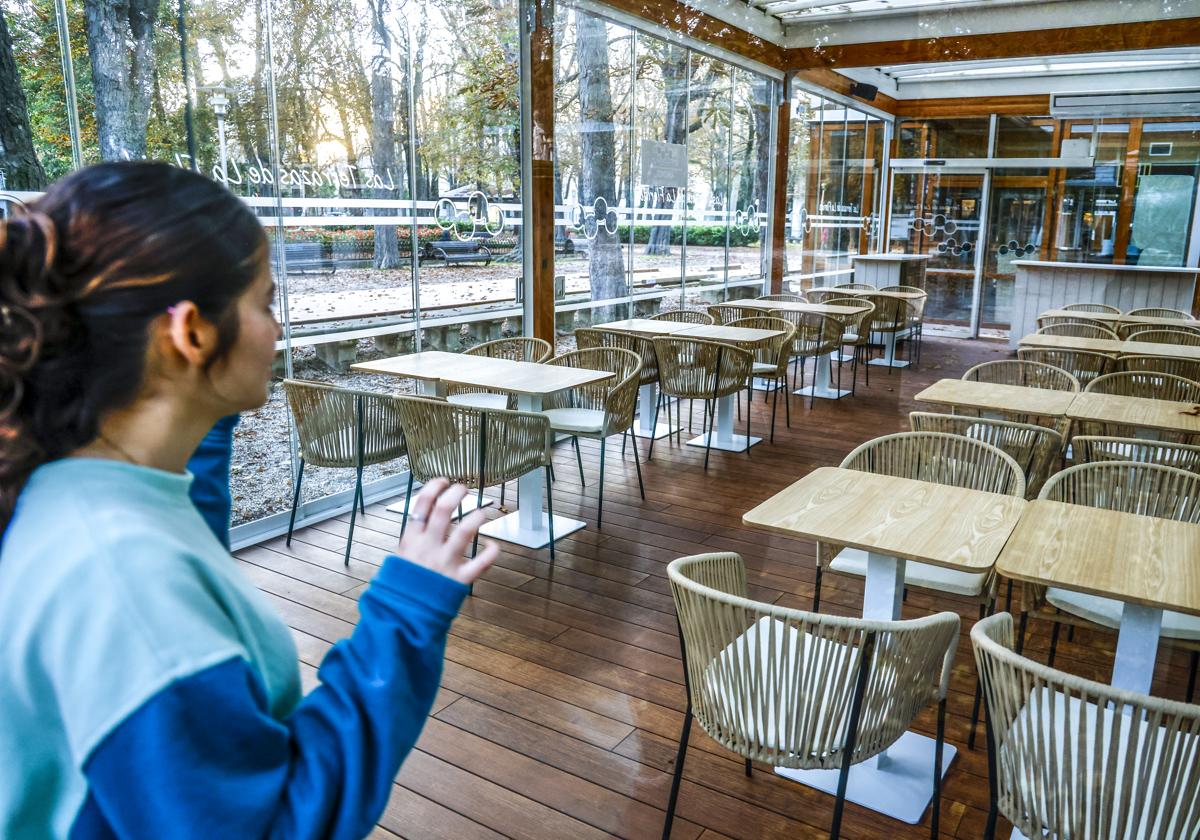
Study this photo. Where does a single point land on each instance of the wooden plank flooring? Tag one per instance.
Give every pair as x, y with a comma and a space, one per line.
562, 695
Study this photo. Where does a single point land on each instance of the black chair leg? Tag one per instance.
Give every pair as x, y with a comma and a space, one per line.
478, 506
579, 459
749, 768
503, 487
937, 770
353, 512
975, 714
1021, 631
407, 500
550, 512
1192, 675
295, 502
774, 411
1008, 597
600, 492
637, 463
677, 776
817, 592
787, 402
1053, 643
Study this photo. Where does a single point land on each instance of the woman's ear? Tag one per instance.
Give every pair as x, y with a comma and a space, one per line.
189, 335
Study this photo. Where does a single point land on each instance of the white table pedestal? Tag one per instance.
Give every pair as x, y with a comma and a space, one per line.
822, 387
724, 438
644, 427
889, 353
1137, 648
529, 524
768, 385
899, 782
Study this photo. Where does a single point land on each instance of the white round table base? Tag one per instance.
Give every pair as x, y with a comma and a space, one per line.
735, 443
822, 393
508, 529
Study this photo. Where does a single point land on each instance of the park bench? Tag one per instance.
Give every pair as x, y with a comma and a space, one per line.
456, 251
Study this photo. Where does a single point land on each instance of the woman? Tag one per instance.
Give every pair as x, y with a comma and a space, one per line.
147, 689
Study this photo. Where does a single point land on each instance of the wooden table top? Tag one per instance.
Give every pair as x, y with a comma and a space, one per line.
1140, 559
914, 520
1135, 411
645, 326
731, 335
484, 372
1109, 346
1113, 318
989, 396
1153, 348
798, 306
902, 295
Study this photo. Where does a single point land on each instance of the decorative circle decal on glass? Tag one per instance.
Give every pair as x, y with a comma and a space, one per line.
479, 214
1016, 248
746, 221
587, 220
940, 230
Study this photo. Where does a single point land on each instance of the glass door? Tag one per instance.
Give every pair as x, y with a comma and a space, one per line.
939, 214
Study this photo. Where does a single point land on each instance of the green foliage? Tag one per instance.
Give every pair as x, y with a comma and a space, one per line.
706, 235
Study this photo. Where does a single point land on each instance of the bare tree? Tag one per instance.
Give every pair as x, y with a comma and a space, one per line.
120, 38
18, 161
383, 130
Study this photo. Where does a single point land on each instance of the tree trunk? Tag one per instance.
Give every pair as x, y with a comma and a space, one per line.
606, 274
120, 38
19, 162
383, 132
675, 127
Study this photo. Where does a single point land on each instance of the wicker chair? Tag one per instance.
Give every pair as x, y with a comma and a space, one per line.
1070, 757
799, 690
1082, 364
600, 409
916, 313
1168, 336
863, 286
891, 315
1154, 386
513, 349
1079, 331
1089, 449
1187, 368
476, 447
822, 294
726, 313
339, 427
684, 316
855, 334
786, 297
1126, 329
1160, 312
771, 361
816, 335
1102, 308
1140, 488
1028, 374
1057, 320
692, 369
1036, 449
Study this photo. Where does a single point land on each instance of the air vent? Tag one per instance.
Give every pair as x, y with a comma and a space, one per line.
1160, 103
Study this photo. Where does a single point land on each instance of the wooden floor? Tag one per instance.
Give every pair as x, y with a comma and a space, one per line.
563, 695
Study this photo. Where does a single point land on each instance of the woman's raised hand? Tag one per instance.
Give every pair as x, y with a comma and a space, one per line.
429, 540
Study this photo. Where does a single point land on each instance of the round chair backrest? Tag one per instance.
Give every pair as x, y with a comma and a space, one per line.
1128, 487
942, 459
1102, 308
1146, 384
1026, 373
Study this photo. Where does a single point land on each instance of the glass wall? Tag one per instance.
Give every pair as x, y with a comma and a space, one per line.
661, 173
834, 187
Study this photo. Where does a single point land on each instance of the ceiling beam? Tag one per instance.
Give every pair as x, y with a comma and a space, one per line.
1138, 35
824, 78
976, 106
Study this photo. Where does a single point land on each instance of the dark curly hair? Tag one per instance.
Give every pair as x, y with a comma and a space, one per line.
84, 271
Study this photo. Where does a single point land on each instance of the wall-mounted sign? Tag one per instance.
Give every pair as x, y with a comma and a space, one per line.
664, 164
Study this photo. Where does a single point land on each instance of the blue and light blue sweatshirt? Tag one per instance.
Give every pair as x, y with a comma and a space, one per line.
148, 690
209, 466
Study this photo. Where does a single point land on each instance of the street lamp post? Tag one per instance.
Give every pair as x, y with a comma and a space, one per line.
220, 104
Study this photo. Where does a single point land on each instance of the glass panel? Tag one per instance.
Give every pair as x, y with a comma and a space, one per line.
962, 138
38, 151
803, 168
716, 131
1015, 231
749, 170
1085, 227
1165, 198
1023, 137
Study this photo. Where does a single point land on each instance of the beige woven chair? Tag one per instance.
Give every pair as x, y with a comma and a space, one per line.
799, 690
822, 294
1074, 758
691, 369
1037, 450
1082, 364
513, 349
1187, 368
891, 315
1027, 373
684, 316
863, 286
600, 409
1079, 331
1081, 318
816, 335
472, 446
1103, 308
726, 313
1160, 336
342, 428
1126, 329
1146, 384
640, 345
771, 362
855, 335
1160, 312
1141, 488
786, 297
1090, 448
916, 313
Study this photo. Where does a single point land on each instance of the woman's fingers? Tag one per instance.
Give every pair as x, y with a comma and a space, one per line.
429, 494
457, 542
444, 508
472, 568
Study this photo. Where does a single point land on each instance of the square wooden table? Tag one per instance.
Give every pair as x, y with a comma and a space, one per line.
1108, 346
894, 520
889, 338
645, 326
1150, 564
531, 382
748, 339
1147, 321
1153, 348
1150, 417
994, 400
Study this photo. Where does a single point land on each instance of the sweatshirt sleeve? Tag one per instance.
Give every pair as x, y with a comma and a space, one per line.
203, 758
209, 466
